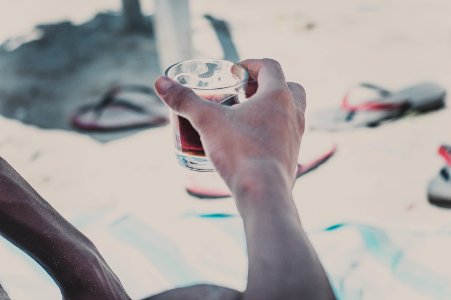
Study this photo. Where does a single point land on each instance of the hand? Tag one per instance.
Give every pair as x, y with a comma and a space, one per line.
246, 141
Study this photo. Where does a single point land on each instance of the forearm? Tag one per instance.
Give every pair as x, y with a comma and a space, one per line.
33, 225
282, 262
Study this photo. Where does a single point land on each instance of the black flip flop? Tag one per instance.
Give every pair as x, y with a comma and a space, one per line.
439, 189
115, 113
385, 105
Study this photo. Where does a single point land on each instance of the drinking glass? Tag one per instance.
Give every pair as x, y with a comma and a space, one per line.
221, 81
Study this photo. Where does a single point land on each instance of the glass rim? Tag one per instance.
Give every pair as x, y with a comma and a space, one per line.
241, 82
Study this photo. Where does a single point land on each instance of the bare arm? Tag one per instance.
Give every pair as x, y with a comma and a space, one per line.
282, 263
255, 152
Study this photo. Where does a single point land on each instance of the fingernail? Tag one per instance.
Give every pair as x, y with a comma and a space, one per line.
164, 84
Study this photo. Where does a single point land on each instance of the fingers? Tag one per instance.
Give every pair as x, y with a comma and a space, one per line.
298, 93
267, 72
182, 100
299, 98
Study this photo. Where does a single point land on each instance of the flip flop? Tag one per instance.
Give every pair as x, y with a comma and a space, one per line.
439, 189
382, 106
113, 112
205, 192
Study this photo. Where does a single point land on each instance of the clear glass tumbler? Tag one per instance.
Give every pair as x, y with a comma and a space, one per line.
221, 81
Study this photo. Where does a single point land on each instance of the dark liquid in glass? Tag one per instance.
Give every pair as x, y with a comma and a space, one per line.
189, 138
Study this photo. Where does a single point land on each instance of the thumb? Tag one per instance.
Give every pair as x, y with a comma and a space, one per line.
180, 99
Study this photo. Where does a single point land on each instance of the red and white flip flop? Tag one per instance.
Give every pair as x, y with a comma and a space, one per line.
204, 191
358, 109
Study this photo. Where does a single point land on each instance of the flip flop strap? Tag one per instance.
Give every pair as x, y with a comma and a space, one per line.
111, 96
312, 165
382, 91
445, 152
371, 105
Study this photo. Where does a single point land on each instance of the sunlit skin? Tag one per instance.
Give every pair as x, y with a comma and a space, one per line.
255, 152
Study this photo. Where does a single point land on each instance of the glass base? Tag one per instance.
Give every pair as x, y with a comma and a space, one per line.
194, 163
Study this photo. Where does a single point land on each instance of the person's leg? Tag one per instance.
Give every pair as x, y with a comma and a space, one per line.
33, 225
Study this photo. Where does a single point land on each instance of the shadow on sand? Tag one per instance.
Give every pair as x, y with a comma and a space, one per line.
44, 80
